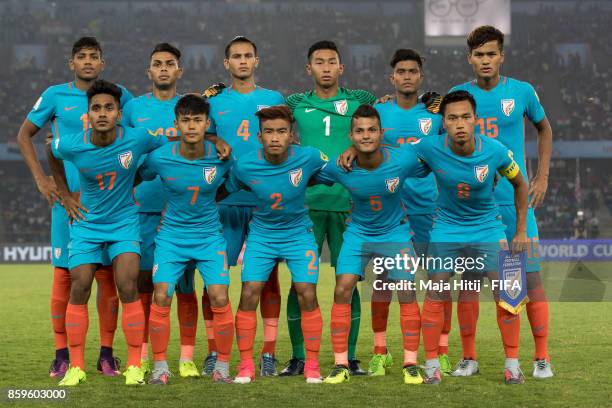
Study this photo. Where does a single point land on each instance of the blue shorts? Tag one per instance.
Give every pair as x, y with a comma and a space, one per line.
421, 228
60, 236
208, 254
235, 221
508, 213
300, 253
149, 223
92, 243
460, 248
358, 249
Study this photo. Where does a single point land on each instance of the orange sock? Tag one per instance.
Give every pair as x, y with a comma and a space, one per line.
145, 299
410, 322
77, 323
448, 317
340, 326
187, 309
538, 314
208, 322
223, 321
312, 328
132, 322
270, 311
380, 315
432, 320
60, 293
467, 316
159, 331
510, 329
108, 304
246, 326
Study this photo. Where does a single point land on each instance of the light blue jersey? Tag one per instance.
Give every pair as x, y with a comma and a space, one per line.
64, 106
376, 194
501, 112
106, 177
190, 187
404, 126
466, 183
157, 116
278, 189
232, 117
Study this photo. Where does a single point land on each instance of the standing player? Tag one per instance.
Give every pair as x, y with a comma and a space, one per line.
467, 223
323, 117
104, 218
155, 112
64, 106
503, 103
190, 232
232, 114
278, 176
377, 226
405, 119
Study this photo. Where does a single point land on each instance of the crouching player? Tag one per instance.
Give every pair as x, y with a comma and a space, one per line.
377, 227
190, 232
278, 176
104, 218
468, 221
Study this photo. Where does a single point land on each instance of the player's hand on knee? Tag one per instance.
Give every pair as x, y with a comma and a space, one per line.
73, 206
519, 243
345, 160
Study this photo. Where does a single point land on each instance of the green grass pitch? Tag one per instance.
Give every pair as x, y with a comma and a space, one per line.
580, 347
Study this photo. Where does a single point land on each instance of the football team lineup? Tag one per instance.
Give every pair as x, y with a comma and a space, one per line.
148, 190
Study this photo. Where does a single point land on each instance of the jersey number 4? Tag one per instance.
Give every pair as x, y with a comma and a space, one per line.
243, 130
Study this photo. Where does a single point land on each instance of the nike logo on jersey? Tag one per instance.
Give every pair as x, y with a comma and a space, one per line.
223, 112
142, 119
69, 108
308, 110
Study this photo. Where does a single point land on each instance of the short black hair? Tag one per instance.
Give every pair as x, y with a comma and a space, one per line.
323, 45
457, 96
101, 86
275, 112
483, 34
406, 54
191, 104
166, 47
365, 111
84, 43
236, 40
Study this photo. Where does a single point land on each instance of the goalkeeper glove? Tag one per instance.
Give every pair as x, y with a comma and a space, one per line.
432, 101
213, 90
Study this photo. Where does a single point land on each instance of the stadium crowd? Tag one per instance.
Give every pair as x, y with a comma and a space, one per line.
577, 92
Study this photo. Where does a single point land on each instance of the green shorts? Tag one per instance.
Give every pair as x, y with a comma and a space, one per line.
330, 225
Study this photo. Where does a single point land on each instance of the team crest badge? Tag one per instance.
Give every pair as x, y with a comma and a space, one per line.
341, 106
481, 172
507, 106
295, 176
513, 275
260, 107
425, 125
57, 252
392, 184
209, 174
125, 159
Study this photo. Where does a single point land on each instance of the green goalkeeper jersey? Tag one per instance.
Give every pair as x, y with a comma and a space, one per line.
325, 124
